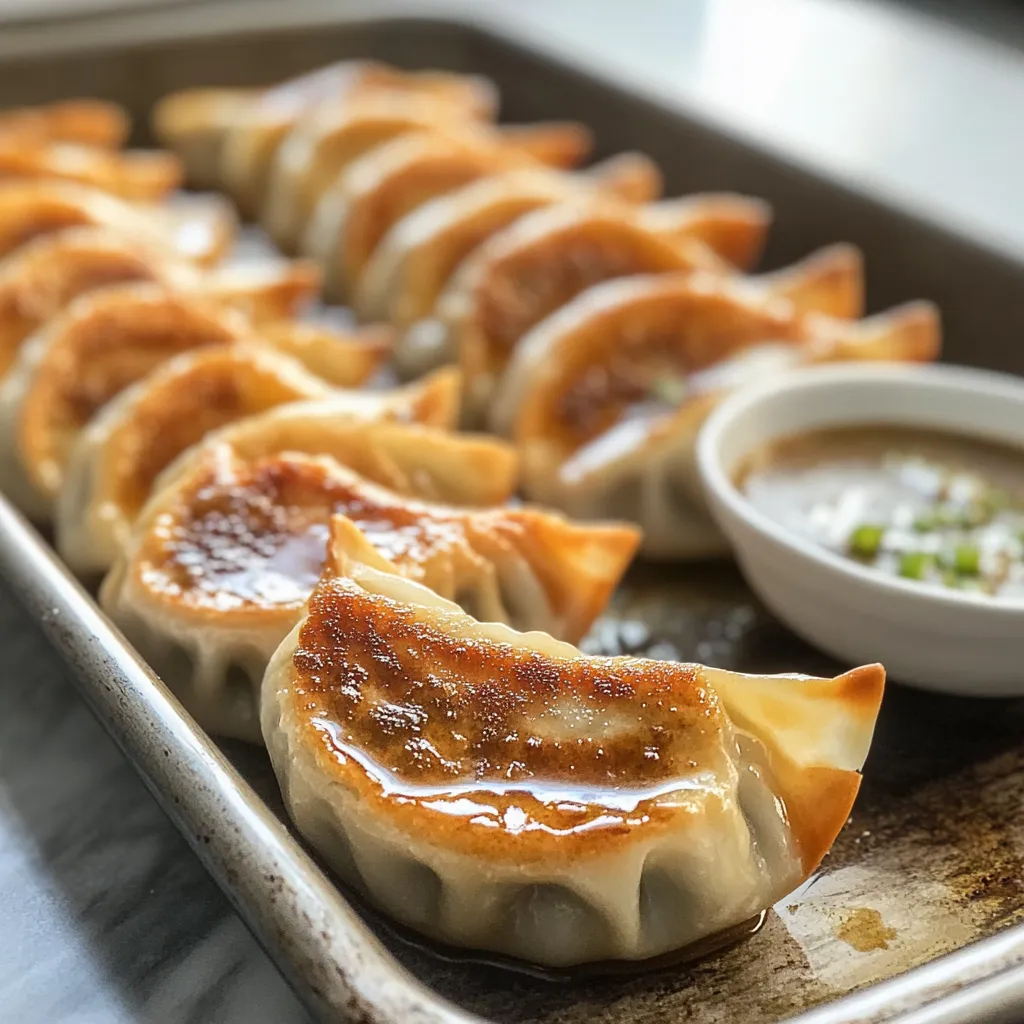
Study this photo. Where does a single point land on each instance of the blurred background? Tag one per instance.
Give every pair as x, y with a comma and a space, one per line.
916, 98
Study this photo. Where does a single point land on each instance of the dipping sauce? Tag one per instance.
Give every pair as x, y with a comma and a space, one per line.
936, 508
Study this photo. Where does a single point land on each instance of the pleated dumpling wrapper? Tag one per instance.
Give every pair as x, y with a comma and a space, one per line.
40, 279
414, 261
107, 340
526, 272
605, 397
226, 553
85, 122
255, 131
392, 179
411, 442
119, 456
502, 791
529, 272
343, 356
199, 227
324, 143
67, 371
110, 339
142, 175
194, 123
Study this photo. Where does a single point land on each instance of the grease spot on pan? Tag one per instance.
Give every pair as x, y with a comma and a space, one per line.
892, 929
865, 930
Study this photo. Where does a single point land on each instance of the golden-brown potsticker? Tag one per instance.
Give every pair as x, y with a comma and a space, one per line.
605, 397
502, 791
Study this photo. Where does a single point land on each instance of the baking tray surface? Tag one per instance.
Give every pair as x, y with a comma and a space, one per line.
933, 857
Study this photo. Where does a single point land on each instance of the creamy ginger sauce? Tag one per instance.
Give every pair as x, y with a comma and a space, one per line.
930, 507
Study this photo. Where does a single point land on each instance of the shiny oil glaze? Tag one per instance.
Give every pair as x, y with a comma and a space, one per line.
256, 536
936, 508
921, 804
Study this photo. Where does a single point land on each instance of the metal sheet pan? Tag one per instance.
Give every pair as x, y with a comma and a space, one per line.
933, 858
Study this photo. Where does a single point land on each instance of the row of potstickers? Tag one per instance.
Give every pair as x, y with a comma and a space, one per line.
595, 323
189, 437
341, 575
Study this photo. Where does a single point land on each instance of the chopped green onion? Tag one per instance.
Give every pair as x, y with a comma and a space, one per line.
945, 515
914, 564
669, 388
966, 560
928, 522
975, 514
866, 540
950, 578
997, 499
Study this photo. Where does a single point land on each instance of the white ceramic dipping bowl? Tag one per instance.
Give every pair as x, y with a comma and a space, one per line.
929, 636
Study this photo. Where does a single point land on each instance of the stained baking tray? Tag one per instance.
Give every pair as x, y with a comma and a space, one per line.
917, 915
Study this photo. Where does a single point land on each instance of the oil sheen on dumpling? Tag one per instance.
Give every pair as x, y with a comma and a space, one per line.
605, 397
118, 457
223, 558
501, 791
